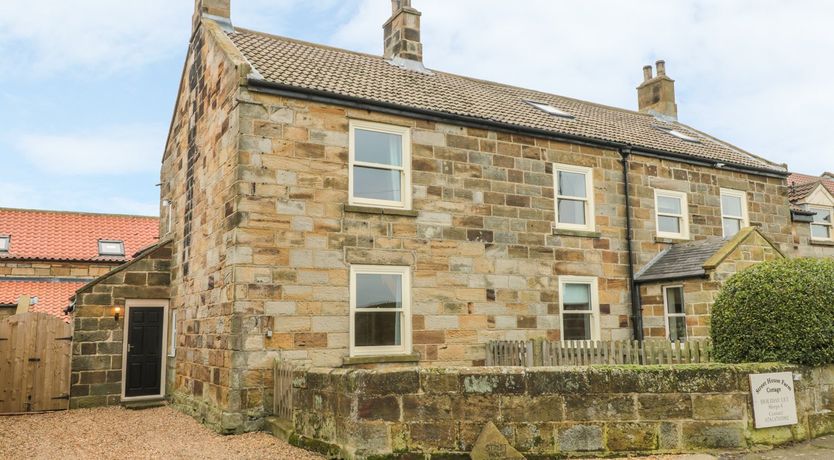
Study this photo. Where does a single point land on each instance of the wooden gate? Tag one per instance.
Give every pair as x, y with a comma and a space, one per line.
282, 395
35, 352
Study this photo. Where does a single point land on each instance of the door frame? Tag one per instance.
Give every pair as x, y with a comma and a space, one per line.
164, 304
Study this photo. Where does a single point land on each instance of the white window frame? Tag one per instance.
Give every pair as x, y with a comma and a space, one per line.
405, 169
172, 332
745, 221
684, 216
813, 207
590, 217
111, 254
667, 315
593, 282
405, 346
5, 243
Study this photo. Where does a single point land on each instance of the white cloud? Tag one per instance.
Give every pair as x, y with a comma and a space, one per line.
754, 73
116, 150
44, 36
83, 197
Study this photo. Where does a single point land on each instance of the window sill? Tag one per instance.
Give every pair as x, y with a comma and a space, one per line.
822, 243
578, 233
667, 240
385, 211
410, 358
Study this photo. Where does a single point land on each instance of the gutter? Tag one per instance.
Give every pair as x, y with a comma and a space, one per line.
634, 289
325, 97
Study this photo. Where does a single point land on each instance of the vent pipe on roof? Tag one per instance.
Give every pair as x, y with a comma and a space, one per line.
219, 11
656, 95
402, 33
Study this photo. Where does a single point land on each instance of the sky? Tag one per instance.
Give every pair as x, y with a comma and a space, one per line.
87, 87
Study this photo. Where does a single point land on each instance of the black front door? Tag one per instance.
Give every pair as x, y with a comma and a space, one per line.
144, 351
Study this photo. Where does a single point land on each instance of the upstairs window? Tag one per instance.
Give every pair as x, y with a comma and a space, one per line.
380, 310
111, 248
4, 243
821, 226
573, 186
672, 214
579, 305
380, 165
733, 211
675, 313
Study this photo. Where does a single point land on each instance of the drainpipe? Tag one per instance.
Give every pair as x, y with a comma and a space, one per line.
634, 289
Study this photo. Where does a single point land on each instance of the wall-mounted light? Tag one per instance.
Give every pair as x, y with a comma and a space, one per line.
117, 311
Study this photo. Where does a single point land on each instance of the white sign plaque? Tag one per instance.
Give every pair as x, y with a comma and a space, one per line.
774, 401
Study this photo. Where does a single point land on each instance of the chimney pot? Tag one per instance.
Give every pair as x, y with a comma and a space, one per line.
661, 68
647, 72
397, 5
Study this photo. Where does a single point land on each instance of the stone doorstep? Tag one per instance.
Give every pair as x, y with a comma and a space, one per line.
146, 404
279, 428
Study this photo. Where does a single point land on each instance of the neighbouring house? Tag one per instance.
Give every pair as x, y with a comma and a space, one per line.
338, 209
812, 207
45, 256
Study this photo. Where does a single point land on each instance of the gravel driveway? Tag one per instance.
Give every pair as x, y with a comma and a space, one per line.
116, 433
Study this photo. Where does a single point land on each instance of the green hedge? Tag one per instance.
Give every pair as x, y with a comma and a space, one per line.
781, 310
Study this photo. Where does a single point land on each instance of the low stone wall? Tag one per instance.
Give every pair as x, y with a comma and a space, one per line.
545, 412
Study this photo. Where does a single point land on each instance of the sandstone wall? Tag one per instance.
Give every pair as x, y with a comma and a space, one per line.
54, 269
600, 411
480, 241
97, 343
804, 246
201, 179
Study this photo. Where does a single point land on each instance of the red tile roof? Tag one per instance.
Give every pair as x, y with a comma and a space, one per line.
56, 235
801, 185
53, 296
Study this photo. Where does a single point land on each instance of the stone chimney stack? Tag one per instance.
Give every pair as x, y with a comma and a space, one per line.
657, 94
218, 10
402, 33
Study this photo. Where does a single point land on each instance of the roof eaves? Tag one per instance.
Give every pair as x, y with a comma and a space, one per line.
298, 92
671, 276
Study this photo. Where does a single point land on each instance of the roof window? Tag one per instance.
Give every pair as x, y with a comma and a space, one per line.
4, 243
111, 248
679, 134
547, 108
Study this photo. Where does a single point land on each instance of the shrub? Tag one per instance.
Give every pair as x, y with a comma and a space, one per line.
781, 310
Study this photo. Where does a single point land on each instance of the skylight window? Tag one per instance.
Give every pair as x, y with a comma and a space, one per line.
111, 248
547, 108
679, 134
4, 243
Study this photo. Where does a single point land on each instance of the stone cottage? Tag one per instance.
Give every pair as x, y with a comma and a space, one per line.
45, 256
812, 205
334, 208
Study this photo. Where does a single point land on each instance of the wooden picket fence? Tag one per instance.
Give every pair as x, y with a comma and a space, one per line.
535, 353
282, 386
509, 353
